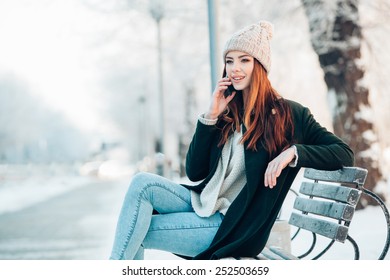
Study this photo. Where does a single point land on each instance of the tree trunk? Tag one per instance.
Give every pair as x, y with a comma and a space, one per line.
336, 37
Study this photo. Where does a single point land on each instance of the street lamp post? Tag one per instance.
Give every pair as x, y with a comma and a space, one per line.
212, 8
157, 13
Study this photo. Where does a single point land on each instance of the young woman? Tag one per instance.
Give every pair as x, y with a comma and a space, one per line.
245, 153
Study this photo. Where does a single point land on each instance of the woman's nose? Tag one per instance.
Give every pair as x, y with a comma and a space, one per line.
236, 67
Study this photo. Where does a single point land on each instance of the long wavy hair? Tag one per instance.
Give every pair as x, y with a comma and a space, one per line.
266, 115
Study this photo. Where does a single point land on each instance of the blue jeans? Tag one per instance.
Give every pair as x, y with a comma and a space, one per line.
176, 229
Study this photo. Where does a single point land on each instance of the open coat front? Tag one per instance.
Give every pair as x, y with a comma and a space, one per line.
248, 222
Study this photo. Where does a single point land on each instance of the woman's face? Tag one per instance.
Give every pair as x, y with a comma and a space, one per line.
239, 68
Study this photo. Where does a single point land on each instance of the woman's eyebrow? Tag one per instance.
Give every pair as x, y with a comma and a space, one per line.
241, 56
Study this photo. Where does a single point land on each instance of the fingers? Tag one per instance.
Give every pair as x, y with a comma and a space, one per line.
219, 102
223, 85
225, 81
276, 166
274, 169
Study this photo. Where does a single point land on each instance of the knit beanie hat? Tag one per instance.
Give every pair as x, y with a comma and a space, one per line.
253, 40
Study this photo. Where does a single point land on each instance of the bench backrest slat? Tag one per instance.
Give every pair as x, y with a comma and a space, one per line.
346, 175
329, 229
338, 193
333, 210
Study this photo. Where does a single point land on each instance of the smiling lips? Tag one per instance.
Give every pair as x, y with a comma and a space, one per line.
237, 78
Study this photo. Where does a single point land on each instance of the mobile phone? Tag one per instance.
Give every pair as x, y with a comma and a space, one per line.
229, 91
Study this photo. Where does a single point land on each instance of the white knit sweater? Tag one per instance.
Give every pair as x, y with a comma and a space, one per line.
226, 183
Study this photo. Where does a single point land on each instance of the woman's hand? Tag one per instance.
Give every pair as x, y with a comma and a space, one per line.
219, 102
276, 166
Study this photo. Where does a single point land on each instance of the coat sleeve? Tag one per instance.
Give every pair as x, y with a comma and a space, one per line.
199, 152
321, 149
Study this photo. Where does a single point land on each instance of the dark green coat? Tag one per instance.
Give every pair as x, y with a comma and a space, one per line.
248, 222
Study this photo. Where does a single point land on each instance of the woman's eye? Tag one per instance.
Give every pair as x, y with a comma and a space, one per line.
245, 60
229, 61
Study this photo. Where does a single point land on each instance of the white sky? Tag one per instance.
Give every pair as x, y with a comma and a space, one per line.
43, 43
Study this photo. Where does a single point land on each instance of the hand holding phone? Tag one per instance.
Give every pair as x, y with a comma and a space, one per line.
229, 91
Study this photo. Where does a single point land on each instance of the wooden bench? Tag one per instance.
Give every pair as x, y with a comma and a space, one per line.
328, 210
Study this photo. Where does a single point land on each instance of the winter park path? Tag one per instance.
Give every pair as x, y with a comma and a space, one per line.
75, 225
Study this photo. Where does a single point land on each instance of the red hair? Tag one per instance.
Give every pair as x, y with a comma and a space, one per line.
266, 116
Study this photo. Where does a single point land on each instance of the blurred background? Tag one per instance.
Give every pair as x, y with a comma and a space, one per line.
94, 91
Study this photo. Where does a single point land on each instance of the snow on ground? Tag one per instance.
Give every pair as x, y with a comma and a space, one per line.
23, 186
15, 196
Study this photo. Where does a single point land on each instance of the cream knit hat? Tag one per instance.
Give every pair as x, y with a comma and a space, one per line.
253, 40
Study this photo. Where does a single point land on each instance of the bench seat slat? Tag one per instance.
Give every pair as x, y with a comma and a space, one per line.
335, 192
326, 228
267, 254
282, 253
333, 210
